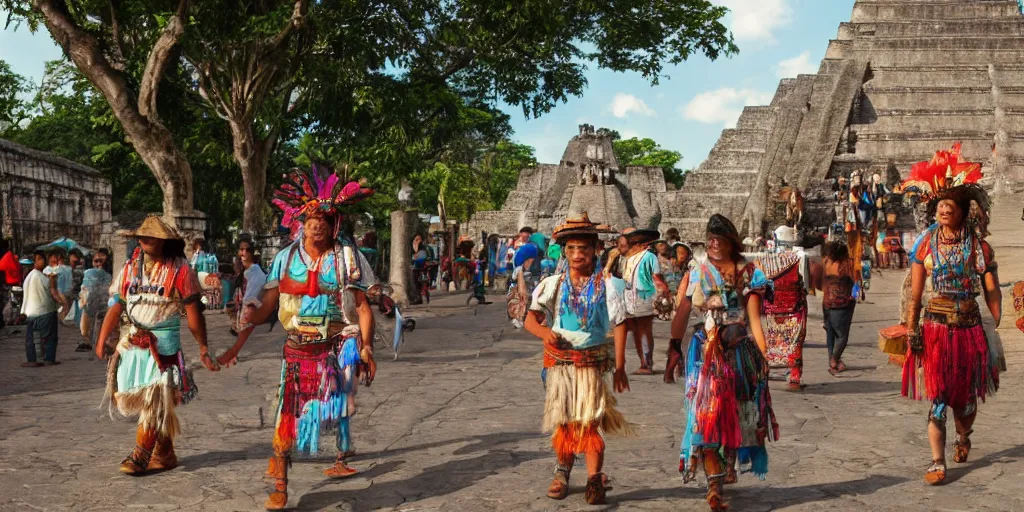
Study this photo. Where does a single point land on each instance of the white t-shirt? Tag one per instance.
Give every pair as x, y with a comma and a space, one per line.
37, 300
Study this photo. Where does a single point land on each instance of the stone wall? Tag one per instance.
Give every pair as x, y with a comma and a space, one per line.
45, 197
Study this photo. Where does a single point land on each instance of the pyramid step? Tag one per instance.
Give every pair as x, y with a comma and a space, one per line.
756, 118
711, 182
871, 11
733, 159
939, 28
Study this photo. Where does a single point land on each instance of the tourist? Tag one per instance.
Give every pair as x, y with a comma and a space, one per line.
319, 282
93, 299
39, 312
680, 269
524, 236
838, 302
202, 260
960, 364
572, 313
644, 285
422, 260
11, 270
728, 407
61, 278
248, 286
368, 246
523, 282
148, 375
479, 270
672, 236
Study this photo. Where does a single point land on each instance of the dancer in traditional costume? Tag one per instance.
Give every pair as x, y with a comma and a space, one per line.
147, 375
786, 315
728, 407
572, 312
644, 285
318, 285
948, 349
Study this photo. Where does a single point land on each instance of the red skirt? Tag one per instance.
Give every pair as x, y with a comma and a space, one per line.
957, 369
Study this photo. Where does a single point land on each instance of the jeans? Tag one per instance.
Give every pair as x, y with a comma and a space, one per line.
837, 330
46, 327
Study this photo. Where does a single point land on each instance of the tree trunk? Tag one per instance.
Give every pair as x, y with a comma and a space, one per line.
252, 156
403, 223
173, 173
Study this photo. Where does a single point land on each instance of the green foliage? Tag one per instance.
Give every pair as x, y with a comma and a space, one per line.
500, 168
13, 107
647, 152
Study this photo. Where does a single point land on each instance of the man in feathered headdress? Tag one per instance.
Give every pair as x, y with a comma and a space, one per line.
960, 363
572, 311
318, 285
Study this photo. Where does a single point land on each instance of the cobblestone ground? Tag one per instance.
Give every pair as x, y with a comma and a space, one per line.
453, 424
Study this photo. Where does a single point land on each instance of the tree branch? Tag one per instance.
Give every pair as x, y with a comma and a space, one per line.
115, 36
162, 51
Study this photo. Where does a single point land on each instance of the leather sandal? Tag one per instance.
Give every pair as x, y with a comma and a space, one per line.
559, 488
595, 494
962, 447
136, 462
936, 474
340, 469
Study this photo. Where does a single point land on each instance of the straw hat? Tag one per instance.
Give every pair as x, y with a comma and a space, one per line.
155, 227
579, 226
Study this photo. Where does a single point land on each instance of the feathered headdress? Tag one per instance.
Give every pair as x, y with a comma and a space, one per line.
303, 193
944, 171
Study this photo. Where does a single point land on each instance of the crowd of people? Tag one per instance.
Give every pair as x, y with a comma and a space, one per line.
583, 291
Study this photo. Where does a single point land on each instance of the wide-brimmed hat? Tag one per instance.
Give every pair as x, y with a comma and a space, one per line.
579, 226
155, 227
641, 236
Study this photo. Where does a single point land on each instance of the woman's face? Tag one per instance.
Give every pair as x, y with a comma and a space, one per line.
245, 253
949, 214
151, 246
417, 240
317, 229
719, 247
682, 254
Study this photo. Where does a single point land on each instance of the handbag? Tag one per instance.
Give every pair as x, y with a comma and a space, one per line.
893, 340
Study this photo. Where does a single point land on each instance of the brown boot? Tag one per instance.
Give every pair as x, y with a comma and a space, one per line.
715, 496
163, 458
137, 461
559, 487
595, 494
340, 469
278, 471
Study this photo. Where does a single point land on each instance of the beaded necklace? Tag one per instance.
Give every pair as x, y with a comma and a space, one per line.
951, 275
581, 302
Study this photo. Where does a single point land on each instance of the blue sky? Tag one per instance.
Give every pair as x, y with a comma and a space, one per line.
686, 112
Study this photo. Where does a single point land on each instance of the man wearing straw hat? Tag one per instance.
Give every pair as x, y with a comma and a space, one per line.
572, 312
147, 375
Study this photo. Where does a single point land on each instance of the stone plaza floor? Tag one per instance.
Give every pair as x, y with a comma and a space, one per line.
454, 424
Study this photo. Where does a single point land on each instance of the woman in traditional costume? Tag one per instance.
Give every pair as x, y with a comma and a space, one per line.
318, 286
948, 346
644, 286
572, 313
728, 407
147, 375
785, 315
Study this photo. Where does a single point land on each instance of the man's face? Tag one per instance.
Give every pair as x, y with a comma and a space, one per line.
949, 214
317, 229
245, 253
580, 255
151, 246
39, 262
661, 248
622, 244
524, 236
98, 261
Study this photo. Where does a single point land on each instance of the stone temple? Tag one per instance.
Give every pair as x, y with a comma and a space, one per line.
902, 79
587, 179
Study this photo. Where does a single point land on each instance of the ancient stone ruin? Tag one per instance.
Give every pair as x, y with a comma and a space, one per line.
901, 80
588, 178
45, 197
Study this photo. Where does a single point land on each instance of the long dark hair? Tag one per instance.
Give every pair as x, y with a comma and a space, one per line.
835, 251
173, 249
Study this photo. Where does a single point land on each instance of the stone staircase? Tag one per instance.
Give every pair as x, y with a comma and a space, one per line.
902, 79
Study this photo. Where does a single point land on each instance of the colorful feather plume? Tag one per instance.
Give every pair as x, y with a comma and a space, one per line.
319, 189
944, 170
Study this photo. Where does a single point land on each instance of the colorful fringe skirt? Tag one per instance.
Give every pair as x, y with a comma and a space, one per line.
958, 366
145, 383
317, 393
727, 402
579, 405
785, 335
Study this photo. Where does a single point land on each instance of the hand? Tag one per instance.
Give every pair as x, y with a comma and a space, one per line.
553, 340
22, 318
371, 371
101, 350
228, 359
209, 362
621, 380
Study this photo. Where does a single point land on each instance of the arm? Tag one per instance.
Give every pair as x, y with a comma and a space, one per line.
110, 323
917, 277
534, 321
269, 304
683, 310
620, 379
993, 295
197, 325
754, 316
366, 328
256, 317
522, 285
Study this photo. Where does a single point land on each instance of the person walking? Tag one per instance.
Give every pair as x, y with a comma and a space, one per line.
93, 299
838, 302
39, 312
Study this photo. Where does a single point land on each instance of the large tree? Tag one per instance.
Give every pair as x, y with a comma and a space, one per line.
13, 105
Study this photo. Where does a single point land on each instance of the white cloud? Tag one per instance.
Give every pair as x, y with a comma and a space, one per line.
756, 20
628, 134
624, 104
723, 105
799, 65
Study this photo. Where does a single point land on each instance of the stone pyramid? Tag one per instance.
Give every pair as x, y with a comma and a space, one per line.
902, 79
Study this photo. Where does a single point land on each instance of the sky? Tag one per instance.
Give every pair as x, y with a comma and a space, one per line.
686, 112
